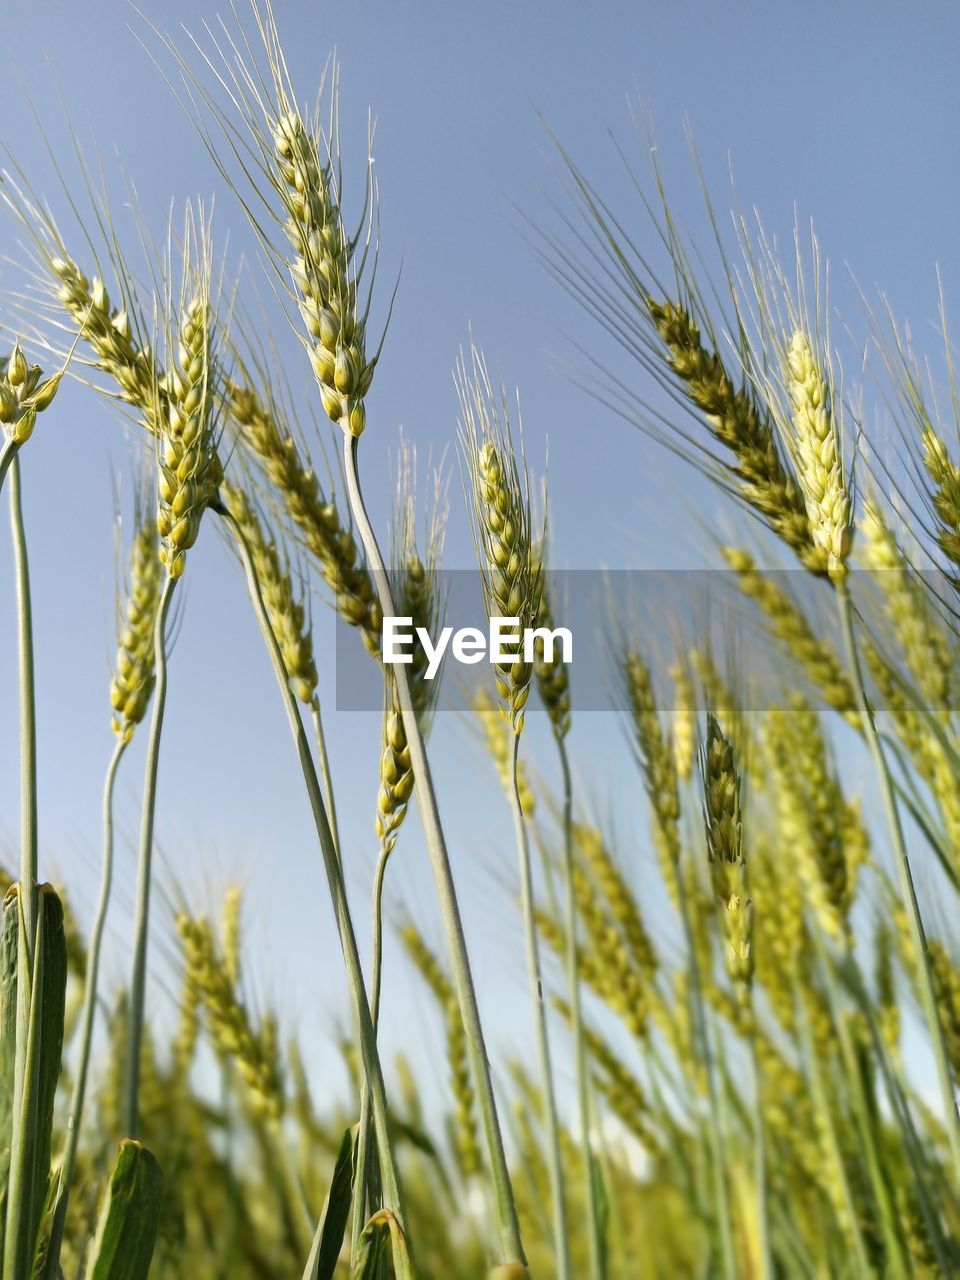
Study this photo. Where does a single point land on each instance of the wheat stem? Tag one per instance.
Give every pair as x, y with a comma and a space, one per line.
376, 982
535, 979
507, 1222
591, 1198
321, 740
8, 451
721, 1205
908, 892
138, 978
28, 717
767, 1271
75, 1113
348, 941
23, 1137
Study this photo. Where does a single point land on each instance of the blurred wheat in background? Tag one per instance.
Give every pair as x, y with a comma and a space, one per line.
744, 1051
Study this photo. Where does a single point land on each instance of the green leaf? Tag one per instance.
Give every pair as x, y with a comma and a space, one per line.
39, 1018
127, 1231
382, 1238
328, 1241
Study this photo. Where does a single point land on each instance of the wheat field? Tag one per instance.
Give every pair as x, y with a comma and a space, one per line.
729, 1045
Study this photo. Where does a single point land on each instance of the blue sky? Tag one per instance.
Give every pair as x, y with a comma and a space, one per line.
847, 113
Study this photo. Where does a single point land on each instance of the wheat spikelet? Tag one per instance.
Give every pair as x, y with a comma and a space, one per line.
553, 677
286, 610
946, 985
818, 454
945, 498
724, 832
133, 673
316, 519
234, 1038
591, 846
737, 422
684, 721
789, 625
612, 968
189, 468
500, 512
658, 764
923, 641
109, 332
824, 830
323, 270
23, 394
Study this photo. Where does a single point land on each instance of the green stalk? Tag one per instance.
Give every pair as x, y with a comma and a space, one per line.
595, 1250
325, 770
554, 1164
8, 451
338, 894
363, 1139
721, 1204
75, 1114
908, 893
28, 718
24, 1118
138, 978
760, 1139
508, 1225
20, 1239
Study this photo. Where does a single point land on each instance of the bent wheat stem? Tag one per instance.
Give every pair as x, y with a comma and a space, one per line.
138, 978
75, 1114
348, 941
507, 1222
908, 893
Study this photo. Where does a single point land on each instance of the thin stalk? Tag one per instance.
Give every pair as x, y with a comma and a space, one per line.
721, 1204
23, 1122
75, 1113
338, 894
8, 451
138, 978
760, 1173
594, 1233
535, 978
363, 1139
325, 771
28, 717
508, 1225
908, 893
22, 1213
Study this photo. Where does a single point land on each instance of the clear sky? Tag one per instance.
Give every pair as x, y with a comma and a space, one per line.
848, 112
